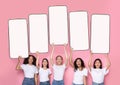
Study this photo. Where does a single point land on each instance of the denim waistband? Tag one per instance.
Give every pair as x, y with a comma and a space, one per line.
58, 80
44, 81
77, 84
28, 78
98, 83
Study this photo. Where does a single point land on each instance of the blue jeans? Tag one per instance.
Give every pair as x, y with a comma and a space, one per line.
28, 81
93, 83
61, 82
45, 83
77, 84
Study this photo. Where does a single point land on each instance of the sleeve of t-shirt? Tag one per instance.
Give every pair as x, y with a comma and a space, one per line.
23, 66
64, 66
90, 70
105, 71
49, 71
53, 66
36, 70
85, 72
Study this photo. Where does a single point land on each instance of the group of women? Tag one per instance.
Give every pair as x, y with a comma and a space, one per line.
32, 68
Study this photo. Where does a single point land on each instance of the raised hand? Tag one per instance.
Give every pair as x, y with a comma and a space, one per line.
19, 58
37, 54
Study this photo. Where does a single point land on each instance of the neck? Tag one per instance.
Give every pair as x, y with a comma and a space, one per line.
80, 68
97, 68
59, 64
30, 63
44, 67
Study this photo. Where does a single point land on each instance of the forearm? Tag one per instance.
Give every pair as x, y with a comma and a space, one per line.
37, 61
108, 61
51, 57
90, 60
85, 80
66, 56
36, 79
18, 65
36, 82
71, 61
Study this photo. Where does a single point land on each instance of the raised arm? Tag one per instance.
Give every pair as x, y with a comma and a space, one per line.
18, 67
108, 61
37, 61
51, 56
90, 60
71, 61
66, 55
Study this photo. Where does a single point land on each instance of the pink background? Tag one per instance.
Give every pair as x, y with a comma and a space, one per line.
11, 9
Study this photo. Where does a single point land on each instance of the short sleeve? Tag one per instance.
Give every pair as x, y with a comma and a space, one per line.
64, 66
49, 71
23, 66
90, 70
85, 72
36, 70
105, 71
53, 66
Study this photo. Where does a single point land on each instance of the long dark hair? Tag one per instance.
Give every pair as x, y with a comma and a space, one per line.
99, 61
26, 60
47, 62
82, 64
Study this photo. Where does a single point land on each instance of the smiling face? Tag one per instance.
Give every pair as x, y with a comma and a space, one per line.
59, 60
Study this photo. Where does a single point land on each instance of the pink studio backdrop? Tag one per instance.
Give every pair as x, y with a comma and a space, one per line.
11, 9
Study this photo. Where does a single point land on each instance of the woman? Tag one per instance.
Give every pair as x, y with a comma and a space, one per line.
97, 71
44, 71
80, 72
29, 69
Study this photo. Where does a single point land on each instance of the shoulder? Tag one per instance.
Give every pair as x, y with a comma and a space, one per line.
54, 65
23, 65
48, 70
64, 66
85, 69
34, 67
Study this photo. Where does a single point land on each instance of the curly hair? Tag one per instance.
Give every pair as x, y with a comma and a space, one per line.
26, 60
82, 64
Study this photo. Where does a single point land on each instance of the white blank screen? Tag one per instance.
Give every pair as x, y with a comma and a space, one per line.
79, 30
58, 25
38, 33
18, 38
100, 34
